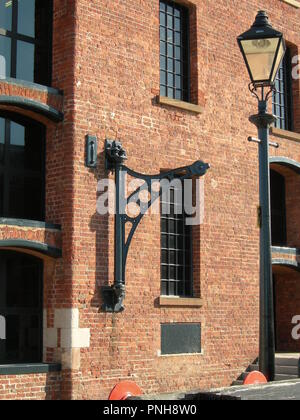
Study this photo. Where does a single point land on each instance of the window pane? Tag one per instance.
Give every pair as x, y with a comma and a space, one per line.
164, 272
17, 145
21, 289
170, 65
170, 36
163, 90
177, 39
5, 14
26, 17
162, 34
177, 24
169, 9
5, 56
17, 134
22, 171
171, 93
162, 63
170, 80
164, 256
169, 21
26, 147
25, 61
25, 197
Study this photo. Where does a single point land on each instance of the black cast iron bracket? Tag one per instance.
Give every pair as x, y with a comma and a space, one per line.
115, 156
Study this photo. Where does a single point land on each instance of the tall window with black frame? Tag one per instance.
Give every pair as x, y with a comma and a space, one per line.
278, 209
176, 245
22, 168
282, 99
174, 51
21, 304
25, 40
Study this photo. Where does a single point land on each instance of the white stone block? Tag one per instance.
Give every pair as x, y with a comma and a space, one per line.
75, 338
66, 318
50, 338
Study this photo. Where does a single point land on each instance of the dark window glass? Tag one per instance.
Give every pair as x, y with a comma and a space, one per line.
176, 245
174, 56
278, 207
22, 162
5, 15
21, 304
282, 99
25, 46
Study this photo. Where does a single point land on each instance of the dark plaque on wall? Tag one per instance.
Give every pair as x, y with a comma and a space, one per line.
180, 338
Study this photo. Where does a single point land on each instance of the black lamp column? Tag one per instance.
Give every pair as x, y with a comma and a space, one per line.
263, 121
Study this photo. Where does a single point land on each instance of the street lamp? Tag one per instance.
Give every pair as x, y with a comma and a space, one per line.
263, 49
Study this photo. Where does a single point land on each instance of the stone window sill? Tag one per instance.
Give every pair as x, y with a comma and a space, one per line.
293, 3
186, 106
182, 355
180, 302
284, 134
29, 369
285, 250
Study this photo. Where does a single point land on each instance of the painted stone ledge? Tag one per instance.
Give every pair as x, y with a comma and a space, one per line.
288, 256
25, 96
40, 240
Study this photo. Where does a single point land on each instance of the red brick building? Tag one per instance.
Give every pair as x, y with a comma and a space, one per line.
168, 81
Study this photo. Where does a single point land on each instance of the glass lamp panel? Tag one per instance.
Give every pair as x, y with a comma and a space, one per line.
260, 55
281, 53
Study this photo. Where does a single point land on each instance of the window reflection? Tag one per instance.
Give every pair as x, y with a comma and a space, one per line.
5, 14
26, 17
5, 57
25, 61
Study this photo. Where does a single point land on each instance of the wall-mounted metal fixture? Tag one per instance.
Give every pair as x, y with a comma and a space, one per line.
115, 158
90, 151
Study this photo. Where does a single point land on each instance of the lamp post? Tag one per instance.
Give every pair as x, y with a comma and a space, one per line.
263, 49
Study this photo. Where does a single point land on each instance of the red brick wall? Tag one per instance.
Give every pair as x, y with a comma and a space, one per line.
30, 387
106, 59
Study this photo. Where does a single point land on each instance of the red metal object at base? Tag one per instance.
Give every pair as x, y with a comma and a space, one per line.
123, 390
255, 378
